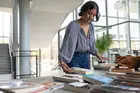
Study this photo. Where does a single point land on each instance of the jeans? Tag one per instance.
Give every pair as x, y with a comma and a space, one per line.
81, 60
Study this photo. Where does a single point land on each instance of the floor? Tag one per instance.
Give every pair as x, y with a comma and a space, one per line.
5, 77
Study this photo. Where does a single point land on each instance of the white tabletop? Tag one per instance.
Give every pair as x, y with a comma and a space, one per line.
38, 81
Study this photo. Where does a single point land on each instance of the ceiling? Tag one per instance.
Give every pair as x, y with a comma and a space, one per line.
5, 3
46, 19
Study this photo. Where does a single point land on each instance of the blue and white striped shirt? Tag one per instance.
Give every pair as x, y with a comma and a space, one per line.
75, 40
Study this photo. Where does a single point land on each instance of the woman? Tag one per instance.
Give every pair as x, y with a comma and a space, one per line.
79, 39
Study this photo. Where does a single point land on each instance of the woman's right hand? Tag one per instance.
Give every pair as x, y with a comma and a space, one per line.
65, 67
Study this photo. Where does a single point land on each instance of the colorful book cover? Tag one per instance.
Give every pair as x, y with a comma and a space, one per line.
98, 78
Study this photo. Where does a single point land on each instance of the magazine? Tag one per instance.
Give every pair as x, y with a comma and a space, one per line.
68, 78
78, 87
97, 79
16, 84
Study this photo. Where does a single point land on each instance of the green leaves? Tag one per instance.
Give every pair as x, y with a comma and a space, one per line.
104, 42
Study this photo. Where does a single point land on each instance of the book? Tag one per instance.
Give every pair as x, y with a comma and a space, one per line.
41, 89
109, 90
121, 87
68, 78
128, 83
114, 74
133, 73
121, 69
53, 85
16, 84
97, 79
78, 87
46, 87
128, 78
81, 71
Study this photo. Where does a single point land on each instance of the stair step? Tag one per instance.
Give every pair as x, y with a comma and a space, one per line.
5, 70
4, 51
3, 47
4, 58
5, 63
6, 54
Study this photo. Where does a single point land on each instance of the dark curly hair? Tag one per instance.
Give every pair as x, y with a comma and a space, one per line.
89, 6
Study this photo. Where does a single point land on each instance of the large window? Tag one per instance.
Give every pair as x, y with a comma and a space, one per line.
4, 27
117, 21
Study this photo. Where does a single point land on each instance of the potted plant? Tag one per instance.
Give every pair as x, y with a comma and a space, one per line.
103, 43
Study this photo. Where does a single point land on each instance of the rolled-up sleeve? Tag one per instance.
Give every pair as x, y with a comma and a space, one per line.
69, 43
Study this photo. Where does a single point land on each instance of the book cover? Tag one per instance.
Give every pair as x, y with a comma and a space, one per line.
97, 79
46, 87
121, 87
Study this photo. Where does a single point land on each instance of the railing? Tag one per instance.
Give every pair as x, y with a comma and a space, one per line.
11, 51
14, 58
31, 54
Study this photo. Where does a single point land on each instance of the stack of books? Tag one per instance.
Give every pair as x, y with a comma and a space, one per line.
109, 88
74, 76
81, 71
122, 82
97, 79
121, 69
96, 83
68, 78
130, 79
78, 87
47, 87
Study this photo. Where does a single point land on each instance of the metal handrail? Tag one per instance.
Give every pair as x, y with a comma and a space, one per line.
37, 61
11, 51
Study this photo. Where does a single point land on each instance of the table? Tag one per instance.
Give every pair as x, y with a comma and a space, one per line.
41, 80
48, 78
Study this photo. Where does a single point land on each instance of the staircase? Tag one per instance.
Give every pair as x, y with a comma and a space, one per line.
5, 64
